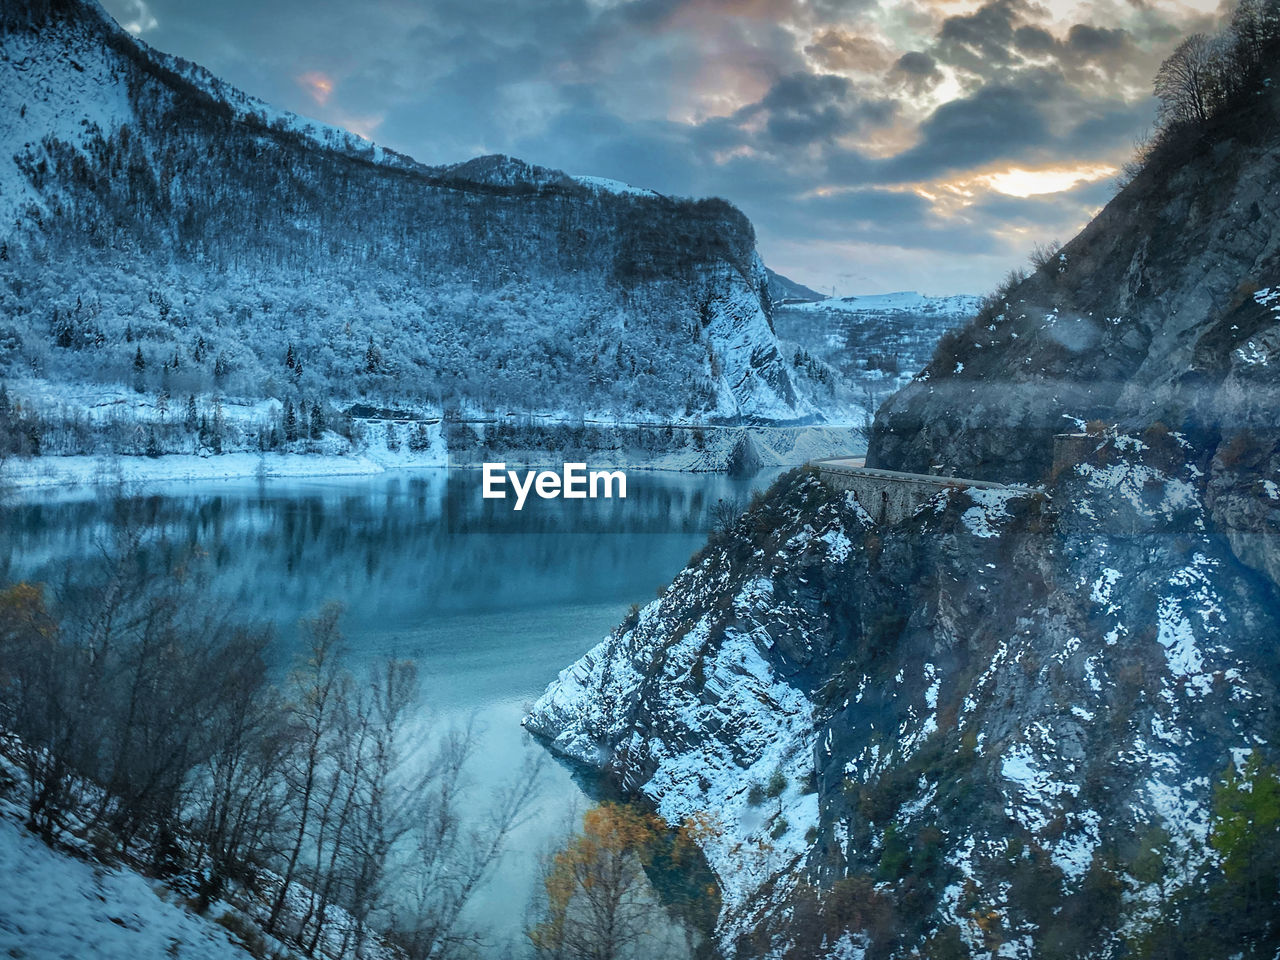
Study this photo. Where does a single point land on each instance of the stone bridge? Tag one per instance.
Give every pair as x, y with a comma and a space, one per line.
887, 495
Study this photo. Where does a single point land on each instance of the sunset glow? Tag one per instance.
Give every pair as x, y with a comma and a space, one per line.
318, 85
964, 123
1017, 182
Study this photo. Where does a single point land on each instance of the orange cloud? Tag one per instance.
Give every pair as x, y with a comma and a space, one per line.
318, 84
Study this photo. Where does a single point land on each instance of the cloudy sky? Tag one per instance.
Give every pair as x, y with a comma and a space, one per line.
877, 145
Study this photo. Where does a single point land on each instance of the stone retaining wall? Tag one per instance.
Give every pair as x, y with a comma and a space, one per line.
887, 495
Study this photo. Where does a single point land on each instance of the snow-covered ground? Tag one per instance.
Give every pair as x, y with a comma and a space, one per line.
84, 471
56, 905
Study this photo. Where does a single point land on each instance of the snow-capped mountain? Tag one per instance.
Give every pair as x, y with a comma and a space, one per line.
1023, 721
163, 231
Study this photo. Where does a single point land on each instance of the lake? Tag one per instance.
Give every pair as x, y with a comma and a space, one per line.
492, 603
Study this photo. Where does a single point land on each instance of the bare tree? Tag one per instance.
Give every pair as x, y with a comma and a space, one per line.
133, 703
386, 796
38, 690
1043, 254
1255, 24
318, 688
725, 513
448, 856
1187, 83
240, 787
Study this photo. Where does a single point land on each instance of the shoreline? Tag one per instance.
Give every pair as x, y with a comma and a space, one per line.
60, 471
63, 472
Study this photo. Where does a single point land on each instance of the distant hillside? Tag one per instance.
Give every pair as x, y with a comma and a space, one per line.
163, 232
871, 345
783, 289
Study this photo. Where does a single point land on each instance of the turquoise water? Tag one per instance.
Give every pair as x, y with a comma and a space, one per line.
491, 603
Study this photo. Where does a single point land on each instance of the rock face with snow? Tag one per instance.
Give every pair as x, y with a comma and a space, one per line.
1020, 722
997, 724
162, 230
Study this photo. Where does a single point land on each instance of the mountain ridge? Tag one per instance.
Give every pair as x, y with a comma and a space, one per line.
1134, 321
208, 234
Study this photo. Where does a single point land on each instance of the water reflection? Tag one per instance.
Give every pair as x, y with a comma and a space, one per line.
491, 602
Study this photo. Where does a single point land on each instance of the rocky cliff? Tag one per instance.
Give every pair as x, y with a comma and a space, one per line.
998, 725
1036, 721
1159, 311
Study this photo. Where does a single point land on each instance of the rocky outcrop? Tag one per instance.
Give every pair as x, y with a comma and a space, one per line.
1149, 315
982, 718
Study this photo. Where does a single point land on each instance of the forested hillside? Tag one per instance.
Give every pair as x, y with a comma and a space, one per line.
166, 234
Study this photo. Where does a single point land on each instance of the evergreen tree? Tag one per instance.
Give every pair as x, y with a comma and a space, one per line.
218, 429
420, 438
63, 327
317, 421
290, 422
192, 419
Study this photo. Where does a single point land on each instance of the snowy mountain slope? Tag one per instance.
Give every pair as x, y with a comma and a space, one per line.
905, 327
1157, 316
871, 345
162, 230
